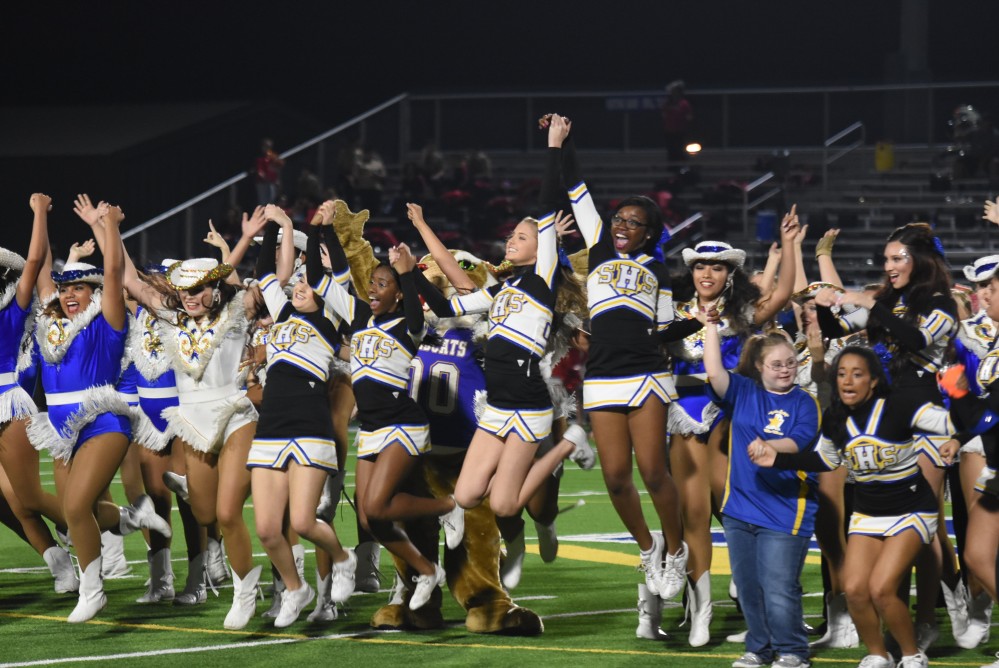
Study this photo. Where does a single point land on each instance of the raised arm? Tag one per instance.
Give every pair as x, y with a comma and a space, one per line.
547, 261
81, 250
286, 253
718, 375
265, 259
213, 238
37, 249
113, 302
442, 256
250, 227
403, 262
785, 279
823, 256
800, 280
562, 167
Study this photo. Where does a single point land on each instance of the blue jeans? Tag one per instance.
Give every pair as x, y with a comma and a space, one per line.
767, 565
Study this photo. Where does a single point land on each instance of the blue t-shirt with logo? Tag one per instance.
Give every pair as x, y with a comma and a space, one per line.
773, 498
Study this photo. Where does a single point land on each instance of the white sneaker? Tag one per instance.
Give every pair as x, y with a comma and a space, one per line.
244, 599
342, 582
651, 564
674, 572
583, 453
994, 664
513, 565
926, 635
425, 585
292, 604
115, 566
61, 566
397, 595
791, 661
979, 622
547, 541
453, 522
917, 660
876, 661
142, 515
178, 485
748, 660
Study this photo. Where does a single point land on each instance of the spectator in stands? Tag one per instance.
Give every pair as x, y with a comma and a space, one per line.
346, 164
433, 167
369, 180
677, 118
268, 173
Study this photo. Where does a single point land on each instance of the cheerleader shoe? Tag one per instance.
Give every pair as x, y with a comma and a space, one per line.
292, 604
61, 566
332, 489
926, 635
425, 585
674, 573
142, 515
367, 577
547, 541
453, 522
650, 615
215, 566
583, 453
738, 638
178, 485
917, 660
342, 582
979, 621
513, 565
957, 607
160, 586
994, 664
113, 557
195, 592
244, 599
651, 564
876, 661
326, 610
92, 598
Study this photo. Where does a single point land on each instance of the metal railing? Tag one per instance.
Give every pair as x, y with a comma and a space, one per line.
614, 120
827, 146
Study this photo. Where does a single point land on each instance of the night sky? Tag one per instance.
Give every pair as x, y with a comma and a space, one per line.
327, 59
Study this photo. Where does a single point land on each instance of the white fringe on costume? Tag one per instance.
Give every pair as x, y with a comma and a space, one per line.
234, 319
225, 410
53, 352
101, 399
16, 404
681, 423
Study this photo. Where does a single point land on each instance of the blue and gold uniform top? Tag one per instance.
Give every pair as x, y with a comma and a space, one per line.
922, 344
779, 500
520, 320
12, 330
971, 345
306, 342
629, 298
445, 379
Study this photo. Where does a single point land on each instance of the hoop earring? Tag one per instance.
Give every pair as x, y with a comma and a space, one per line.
216, 297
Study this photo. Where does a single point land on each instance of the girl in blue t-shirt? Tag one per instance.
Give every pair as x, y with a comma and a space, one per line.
768, 515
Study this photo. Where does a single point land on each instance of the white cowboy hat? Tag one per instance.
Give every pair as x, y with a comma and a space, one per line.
301, 239
714, 251
190, 274
78, 272
982, 269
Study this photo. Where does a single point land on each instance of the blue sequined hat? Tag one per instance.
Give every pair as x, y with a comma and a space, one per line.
983, 269
714, 251
79, 272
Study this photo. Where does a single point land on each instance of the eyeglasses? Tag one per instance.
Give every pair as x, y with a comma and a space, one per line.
630, 223
197, 290
780, 366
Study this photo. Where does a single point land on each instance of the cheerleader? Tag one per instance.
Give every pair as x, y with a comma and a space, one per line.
518, 414
386, 333
871, 429
716, 280
204, 331
20, 480
81, 336
628, 385
294, 447
910, 322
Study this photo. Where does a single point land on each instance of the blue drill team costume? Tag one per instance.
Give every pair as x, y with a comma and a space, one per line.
520, 318
155, 382
381, 350
295, 422
630, 304
81, 362
15, 400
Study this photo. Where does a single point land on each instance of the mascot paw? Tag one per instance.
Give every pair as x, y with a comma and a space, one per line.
515, 621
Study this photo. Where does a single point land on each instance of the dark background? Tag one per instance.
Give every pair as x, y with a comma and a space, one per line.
294, 69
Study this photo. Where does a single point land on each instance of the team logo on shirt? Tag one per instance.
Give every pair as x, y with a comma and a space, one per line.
868, 454
775, 422
988, 368
626, 278
288, 333
370, 346
505, 303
